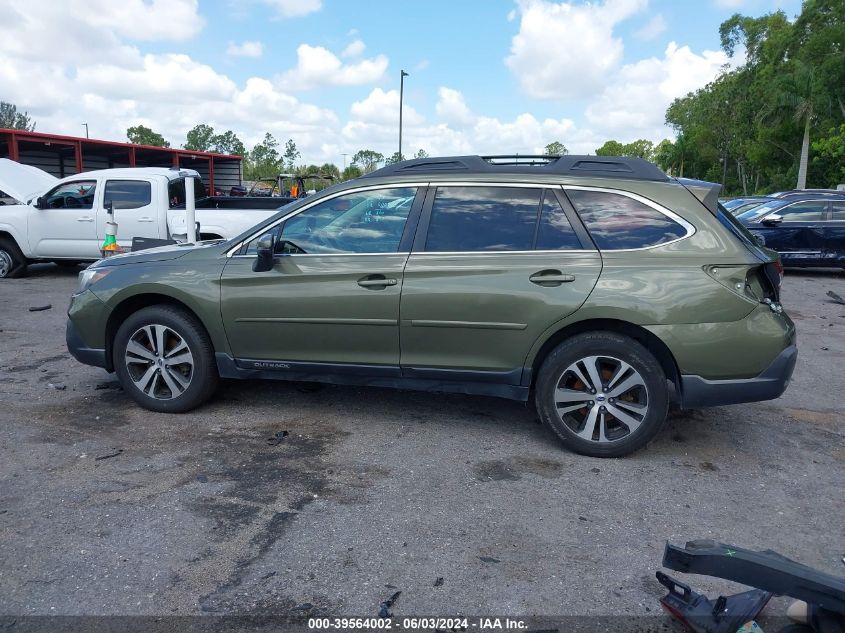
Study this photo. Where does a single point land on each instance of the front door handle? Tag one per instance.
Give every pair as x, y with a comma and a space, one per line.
145, 219
376, 281
550, 278
85, 219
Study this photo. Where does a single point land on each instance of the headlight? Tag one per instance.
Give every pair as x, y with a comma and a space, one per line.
90, 276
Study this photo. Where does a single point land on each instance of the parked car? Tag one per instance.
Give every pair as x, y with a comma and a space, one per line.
800, 193
807, 231
598, 287
739, 205
65, 220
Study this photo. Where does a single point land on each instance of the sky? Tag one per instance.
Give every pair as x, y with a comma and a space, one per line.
485, 76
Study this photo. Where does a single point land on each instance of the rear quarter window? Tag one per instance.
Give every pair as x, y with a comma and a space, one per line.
618, 222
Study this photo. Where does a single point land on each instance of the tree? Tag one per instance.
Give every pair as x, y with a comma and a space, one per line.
12, 119
421, 153
330, 169
228, 143
263, 160
641, 148
830, 156
556, 148
394, 158
353, 171
367, 160
142, 135
610, 148
291, 154
200, 138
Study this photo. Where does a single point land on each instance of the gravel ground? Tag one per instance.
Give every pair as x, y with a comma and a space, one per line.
465, 504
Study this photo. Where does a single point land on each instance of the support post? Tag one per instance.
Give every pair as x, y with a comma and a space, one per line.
190, 211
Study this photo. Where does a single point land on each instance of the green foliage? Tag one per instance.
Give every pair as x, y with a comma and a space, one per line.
228, 143
263, 161
367, 160
555, 148
421, 153
201, 138
12, 119
610, 148
829, 160
768, 124
143, 135
291, 154
396, 157
353, 171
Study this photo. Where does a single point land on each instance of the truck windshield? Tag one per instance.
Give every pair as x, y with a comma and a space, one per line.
176, 192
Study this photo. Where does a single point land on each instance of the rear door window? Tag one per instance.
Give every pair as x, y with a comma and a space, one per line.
477, 219
554, 232
838, 211
617, 222
127, 194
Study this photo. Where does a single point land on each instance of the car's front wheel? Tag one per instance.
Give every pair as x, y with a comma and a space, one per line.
12, 261
602, 393
165, 360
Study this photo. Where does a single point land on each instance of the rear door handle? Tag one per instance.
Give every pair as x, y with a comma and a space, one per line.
376, 281
550, 278
145, 220
85, 219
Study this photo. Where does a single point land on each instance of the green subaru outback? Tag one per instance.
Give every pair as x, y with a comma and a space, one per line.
599, 287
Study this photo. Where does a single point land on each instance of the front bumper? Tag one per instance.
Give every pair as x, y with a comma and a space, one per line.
698, 392
78, 349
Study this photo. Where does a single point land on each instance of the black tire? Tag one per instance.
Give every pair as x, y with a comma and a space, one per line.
12, 261
609, 435
177, 324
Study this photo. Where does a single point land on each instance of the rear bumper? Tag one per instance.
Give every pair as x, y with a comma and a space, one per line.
698, 392
77, 348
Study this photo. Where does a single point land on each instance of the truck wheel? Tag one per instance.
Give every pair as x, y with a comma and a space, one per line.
12, 261
602, 393
165, 360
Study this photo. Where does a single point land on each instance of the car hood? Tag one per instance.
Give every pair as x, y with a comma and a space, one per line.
159, 254
23, 182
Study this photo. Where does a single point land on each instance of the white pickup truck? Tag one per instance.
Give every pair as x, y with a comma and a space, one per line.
64, 221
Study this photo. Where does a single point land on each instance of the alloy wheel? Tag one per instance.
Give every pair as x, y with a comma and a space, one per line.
159, 362
601, 399
5, 263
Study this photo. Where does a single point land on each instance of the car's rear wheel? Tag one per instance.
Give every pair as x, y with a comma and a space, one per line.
164, 359
602, 393
12, 261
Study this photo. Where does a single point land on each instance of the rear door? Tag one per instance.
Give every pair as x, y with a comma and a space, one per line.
66, 227
834, 234
134, 210
332, 296
493, 266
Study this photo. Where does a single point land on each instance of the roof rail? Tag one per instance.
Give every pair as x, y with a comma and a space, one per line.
600, 166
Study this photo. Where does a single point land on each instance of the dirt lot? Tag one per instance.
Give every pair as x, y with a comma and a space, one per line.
465, 504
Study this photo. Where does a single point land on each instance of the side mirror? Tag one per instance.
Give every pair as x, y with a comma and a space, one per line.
773, 219
39, 202
264, 261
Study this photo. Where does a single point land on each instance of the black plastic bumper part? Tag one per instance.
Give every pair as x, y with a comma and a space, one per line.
77, 348
700, 392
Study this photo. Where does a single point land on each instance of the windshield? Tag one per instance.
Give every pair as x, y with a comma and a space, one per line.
762, 210
736, 202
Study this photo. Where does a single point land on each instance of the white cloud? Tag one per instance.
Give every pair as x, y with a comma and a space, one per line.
452, 108
354, 49
246, 49
317, 66
633, 105
295, 8
564, 50
654, 27
382, 107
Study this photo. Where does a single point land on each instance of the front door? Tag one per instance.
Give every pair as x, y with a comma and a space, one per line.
333, 294
65, 225
134, 211
492, 268
799, 237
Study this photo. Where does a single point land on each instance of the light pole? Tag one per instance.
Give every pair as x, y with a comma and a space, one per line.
401, 97
344, 161
86, 129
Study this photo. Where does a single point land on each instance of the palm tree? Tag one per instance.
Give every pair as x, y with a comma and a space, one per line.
796, 98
